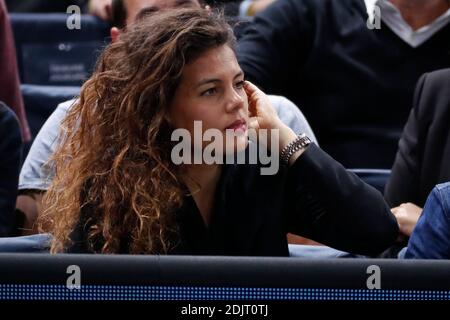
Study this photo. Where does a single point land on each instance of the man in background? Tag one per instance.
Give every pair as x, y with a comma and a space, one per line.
350, 65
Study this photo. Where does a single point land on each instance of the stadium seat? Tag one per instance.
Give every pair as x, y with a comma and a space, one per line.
49, 53
377, 178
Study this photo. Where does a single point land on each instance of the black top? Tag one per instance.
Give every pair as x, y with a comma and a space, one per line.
10, 160
316, 198
355, 85
423, 159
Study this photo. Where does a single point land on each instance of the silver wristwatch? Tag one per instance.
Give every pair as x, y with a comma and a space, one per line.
301, 142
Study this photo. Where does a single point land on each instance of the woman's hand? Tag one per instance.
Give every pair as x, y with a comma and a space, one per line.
262, 115
407, 215
261, 112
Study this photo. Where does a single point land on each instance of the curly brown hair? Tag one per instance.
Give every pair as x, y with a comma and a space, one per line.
114, 150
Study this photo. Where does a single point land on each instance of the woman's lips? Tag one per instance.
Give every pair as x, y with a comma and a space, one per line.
238, 125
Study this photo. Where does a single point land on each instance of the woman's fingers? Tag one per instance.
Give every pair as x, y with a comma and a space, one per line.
250, 87
253, 123
260, 107
252, 92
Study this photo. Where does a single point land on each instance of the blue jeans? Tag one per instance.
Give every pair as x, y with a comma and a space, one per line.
318, 252
41, 243
431, 236
35, 243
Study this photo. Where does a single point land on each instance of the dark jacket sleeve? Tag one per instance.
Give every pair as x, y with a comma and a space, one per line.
403, 184
10, 158
276, 44
328, 204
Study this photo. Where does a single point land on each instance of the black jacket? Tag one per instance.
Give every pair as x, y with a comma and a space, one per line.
10, 159
354, 85
316, 198
423, 158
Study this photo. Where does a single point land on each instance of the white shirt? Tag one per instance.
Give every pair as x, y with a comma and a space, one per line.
392, 17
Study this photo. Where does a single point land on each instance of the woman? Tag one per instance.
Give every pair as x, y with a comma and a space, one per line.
117, 189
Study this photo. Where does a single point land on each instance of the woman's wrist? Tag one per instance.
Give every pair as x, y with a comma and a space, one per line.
286, 137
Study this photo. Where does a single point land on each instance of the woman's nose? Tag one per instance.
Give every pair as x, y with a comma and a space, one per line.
235, 100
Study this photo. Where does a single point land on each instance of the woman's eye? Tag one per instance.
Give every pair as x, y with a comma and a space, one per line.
240, 84
209, 92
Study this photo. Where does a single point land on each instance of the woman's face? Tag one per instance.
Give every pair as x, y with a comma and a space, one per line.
211, 91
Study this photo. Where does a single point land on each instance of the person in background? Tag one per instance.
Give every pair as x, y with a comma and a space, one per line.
101, 9
9, 77
249, 8
423, 157
10, 159
351, 65
431, 236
